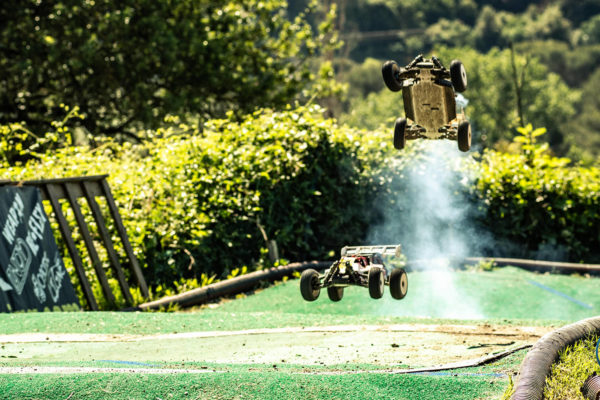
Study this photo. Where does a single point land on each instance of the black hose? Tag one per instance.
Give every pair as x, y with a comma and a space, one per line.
231, 286
537, 364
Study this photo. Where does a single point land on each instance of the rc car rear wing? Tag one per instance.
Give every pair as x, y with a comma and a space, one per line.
384, 250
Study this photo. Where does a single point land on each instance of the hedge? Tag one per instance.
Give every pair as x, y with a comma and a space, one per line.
189, 195
194, 199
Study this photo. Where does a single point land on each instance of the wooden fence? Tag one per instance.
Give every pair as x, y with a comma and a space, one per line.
89, 188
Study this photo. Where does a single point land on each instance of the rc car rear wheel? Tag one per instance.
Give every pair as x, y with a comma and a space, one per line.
376, 282
309, 285
335, 293
458, 76
391, 76
400, 133
464, 136
398, 283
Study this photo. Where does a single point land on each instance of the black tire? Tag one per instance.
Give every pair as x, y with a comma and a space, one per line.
400, 133
391, 76
398, 283
309, 285
464, 136
458, 76
376, 283
335, 293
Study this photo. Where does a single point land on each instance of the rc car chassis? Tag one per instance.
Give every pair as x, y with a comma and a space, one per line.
358, 266
428, 91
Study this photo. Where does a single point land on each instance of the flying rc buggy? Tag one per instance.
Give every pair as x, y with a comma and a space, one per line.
428, 91
359, 266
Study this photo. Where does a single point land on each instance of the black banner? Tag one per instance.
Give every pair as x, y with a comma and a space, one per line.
32, 273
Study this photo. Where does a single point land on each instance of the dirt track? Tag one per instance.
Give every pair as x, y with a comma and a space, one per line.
386, 346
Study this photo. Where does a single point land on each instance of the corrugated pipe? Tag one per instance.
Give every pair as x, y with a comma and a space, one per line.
591, 387
231, 286
537, 364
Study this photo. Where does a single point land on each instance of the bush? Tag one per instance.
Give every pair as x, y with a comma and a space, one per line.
194, 203
540, 205
188, 196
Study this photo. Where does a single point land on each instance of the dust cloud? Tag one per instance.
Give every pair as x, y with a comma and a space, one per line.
429, 213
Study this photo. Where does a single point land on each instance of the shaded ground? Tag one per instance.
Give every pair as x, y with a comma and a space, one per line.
275, 345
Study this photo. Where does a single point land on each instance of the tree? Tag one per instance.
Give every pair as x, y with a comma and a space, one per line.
585, 128
589, 31
375, 110
546, 99
127, 64
449, 33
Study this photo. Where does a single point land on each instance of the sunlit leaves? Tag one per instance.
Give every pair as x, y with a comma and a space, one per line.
128, 64
540, 201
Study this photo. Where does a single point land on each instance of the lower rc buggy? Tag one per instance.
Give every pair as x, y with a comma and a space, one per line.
359, 266
428, 91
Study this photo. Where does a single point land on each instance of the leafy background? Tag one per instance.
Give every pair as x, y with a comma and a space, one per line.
226, 124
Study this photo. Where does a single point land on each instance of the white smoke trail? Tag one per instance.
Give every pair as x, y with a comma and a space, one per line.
432, 220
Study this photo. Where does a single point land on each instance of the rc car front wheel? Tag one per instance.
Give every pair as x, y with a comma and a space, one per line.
376, 282
391, 76
400, 133
458, 76
335, 293
398, 283
464, 136
309, 285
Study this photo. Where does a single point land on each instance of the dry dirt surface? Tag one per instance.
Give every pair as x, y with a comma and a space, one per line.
389, 347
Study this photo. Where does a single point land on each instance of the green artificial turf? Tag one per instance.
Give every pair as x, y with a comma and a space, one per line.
503, 366
250, 385
260, 381
505, 293
143, 323
503, 296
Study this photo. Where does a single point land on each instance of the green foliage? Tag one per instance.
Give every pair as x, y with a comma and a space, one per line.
546, 99
510, 389
128, 64
484, 265
238, 272
589, 32
574, 65
364, 78
17, 141
537, 23
453, 33
540, 202
191, 202
586, 125
376, 110
559, 34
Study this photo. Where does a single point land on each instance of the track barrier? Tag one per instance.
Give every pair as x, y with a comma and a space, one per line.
232, 286
537, 364
89, 188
